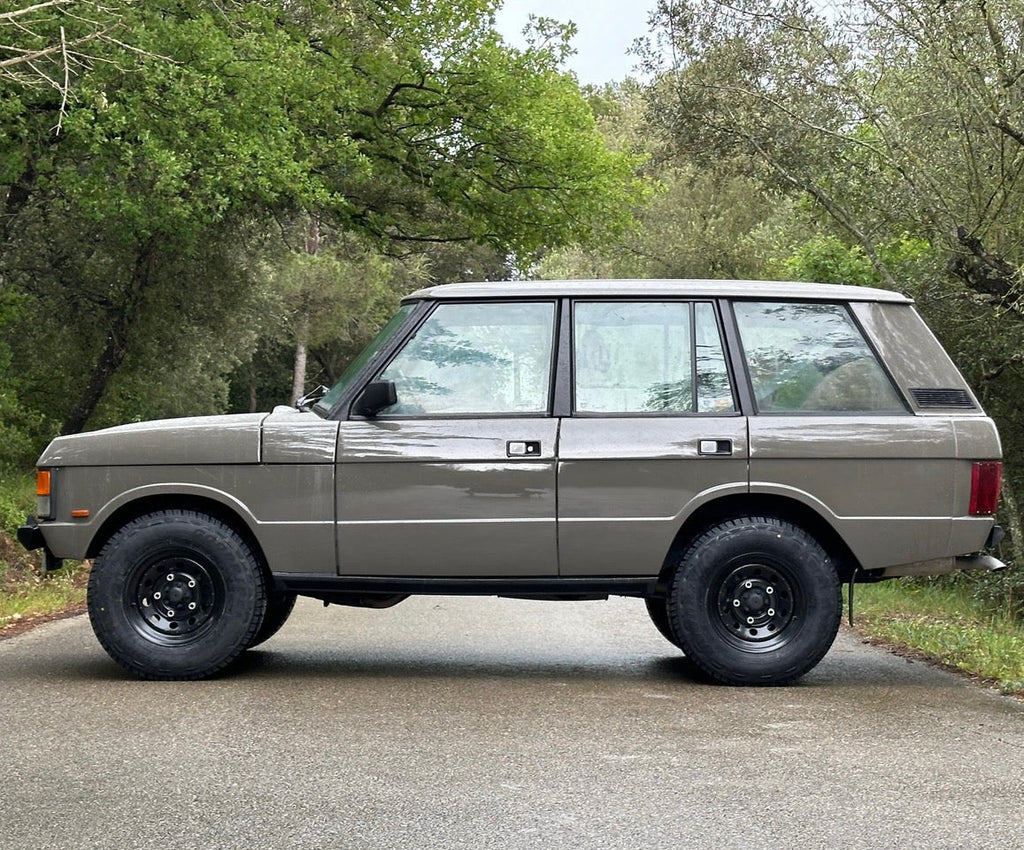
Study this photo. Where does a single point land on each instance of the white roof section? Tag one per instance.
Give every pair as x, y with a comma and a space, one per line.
755, 289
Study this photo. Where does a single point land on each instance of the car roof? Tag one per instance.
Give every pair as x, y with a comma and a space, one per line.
758, 289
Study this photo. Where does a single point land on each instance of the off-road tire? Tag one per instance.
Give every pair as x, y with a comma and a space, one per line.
176, 595
279, 608
657, 610
755, 601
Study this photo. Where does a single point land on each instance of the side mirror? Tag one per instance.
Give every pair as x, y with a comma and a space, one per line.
376, 396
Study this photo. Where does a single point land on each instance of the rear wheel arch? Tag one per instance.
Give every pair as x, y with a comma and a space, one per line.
786, 509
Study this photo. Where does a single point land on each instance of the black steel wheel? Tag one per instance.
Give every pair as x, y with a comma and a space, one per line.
755, 601
176, 595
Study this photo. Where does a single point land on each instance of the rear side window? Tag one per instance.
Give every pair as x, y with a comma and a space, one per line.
811, 358
635, 357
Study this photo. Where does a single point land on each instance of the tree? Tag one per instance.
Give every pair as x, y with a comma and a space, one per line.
893, 117
707, 218
405, 123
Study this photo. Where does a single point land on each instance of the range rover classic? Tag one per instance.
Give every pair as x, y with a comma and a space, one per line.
732, 452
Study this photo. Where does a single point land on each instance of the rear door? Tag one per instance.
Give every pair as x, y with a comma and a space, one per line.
655, 432
458, 478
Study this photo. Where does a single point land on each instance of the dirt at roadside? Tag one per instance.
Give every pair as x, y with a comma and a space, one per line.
19, 575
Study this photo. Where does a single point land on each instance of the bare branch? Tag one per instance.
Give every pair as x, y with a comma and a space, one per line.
17, 13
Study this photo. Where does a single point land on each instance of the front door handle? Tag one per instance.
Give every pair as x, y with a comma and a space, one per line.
522, 448
720, 448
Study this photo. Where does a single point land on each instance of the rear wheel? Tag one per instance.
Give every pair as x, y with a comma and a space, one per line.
755, 601
176, 595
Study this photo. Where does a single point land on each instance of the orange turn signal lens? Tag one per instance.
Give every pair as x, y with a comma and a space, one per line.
43, 482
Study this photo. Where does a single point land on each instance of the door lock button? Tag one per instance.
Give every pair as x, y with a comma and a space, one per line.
522, 448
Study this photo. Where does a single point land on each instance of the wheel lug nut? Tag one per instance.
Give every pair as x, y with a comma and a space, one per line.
748, 585
771, 612
192, 583
157, 595
750, 621
191, 606
170, 576
769, 589
735, 603
170, 612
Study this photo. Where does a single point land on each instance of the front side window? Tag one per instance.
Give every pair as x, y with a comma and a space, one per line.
649, 357
811, 358
492, 358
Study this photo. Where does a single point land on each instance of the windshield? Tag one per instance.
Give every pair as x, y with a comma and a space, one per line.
334, 394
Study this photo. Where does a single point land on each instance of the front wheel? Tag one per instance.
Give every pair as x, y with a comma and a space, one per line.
176, 595
755, 601
657, 610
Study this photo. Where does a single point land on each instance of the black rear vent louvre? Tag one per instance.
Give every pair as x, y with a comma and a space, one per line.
943, 398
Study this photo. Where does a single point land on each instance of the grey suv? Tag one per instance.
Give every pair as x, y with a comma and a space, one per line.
731, 452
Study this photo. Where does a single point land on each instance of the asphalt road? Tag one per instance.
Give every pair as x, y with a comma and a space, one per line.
485, 723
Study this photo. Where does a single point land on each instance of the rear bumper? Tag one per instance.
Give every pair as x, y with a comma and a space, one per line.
975, 561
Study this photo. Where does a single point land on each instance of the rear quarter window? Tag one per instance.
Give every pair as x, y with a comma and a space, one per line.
915, 358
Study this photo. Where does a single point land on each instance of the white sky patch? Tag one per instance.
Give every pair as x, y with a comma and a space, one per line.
606, 30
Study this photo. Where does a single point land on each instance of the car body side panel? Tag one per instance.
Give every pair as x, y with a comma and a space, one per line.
889, 485
288, 508
625, 486
442, 497
292, 436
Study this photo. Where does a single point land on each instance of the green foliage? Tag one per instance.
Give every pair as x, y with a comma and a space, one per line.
945, 624
17, 494
827, 259
140, 203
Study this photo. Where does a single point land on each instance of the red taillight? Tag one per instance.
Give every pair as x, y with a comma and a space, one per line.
986, 480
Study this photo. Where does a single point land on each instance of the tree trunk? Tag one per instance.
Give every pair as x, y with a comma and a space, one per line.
113, 354
299, 370
302, 328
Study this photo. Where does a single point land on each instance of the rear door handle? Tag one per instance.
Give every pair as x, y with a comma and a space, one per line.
522, 448
722, 448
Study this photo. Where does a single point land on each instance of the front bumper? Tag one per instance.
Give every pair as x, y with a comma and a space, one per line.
30, 535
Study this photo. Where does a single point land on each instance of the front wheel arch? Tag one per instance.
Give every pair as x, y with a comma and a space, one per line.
178, 502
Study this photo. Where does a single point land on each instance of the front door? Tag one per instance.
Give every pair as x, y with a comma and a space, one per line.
457, 479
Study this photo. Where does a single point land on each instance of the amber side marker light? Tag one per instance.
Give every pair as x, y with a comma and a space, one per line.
986, 482
79, 514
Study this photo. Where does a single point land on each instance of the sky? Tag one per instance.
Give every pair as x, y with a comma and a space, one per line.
607, 29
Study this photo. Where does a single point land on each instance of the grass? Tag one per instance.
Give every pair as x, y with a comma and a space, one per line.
25, 596
945, 624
